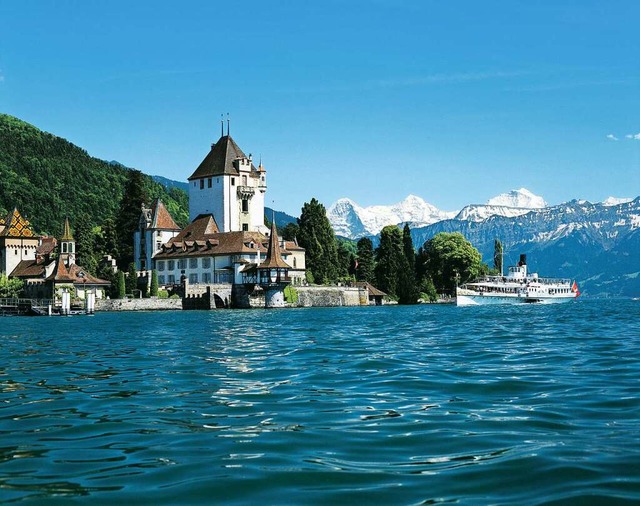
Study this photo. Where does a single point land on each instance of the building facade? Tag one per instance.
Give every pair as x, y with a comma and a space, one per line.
155, 228
228, 186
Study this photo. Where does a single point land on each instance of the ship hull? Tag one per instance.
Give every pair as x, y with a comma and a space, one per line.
490, 299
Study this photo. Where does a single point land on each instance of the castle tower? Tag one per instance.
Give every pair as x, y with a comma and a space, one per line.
155, 228
67, 245
18, 242
228, 185
273, 273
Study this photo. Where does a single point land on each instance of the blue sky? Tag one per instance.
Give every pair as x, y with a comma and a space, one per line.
371, 99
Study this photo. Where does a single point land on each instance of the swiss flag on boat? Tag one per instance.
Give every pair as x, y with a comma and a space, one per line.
574, 288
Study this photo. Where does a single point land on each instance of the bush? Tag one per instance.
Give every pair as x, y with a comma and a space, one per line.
290, 294
163, 294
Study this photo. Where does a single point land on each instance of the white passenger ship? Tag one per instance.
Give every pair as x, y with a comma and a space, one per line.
518, 286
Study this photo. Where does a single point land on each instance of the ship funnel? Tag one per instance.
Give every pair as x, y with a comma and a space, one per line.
523, 259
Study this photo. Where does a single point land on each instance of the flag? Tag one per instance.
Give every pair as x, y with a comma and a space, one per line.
574, 288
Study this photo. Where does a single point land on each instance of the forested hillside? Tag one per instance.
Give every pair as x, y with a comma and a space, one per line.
48, 178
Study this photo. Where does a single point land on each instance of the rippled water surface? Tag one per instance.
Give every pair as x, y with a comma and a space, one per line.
394, 405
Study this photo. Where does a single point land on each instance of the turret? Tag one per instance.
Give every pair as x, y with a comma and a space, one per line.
67, 245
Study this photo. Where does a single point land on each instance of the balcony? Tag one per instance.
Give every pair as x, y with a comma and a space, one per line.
246, 192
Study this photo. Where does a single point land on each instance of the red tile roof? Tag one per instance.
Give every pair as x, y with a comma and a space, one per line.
274, 258
160, 217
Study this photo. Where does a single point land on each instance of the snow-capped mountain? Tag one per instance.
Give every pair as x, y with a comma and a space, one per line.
614, 201
353, 221
597, 244
510, 204
521, 198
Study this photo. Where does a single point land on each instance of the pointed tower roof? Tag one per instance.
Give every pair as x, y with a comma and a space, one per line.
17, 226
219, 161
60, 273
66, 232
274, 258
160, 217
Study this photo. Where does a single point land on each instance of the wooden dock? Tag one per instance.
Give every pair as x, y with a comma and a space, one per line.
25, 307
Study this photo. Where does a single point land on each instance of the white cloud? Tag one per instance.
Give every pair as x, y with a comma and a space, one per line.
635, 137
612, 137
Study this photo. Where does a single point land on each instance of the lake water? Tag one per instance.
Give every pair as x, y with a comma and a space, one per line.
384, 405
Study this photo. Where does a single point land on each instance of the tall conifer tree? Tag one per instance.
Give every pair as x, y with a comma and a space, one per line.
316, 235
407, 285
389, 258
364, 271
134, 197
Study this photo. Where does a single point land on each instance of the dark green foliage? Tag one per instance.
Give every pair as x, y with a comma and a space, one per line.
47, 178
135, 195
121, 285
407, 285
131, 282
317, 237
389, 259
346, 259
104, 271
85, 244
364, 271
154, 283
450, 259
290, 231
497, 256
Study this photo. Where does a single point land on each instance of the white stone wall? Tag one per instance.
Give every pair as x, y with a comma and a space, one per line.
208, 200
15, 251
223, 202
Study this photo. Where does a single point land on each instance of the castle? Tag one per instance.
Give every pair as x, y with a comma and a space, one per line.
46, 265
227, 242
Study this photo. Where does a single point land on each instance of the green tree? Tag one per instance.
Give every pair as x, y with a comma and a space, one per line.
497, 256
41, 172
290, 232
85, 244
317, 237
131, 282
364, 271
450, 259
407, 286
121, 285
389, 259
10, 288
346, 258
135, 195
154, 283
106, 241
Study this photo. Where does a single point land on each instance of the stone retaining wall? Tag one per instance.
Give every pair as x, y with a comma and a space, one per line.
330, 296
138, 304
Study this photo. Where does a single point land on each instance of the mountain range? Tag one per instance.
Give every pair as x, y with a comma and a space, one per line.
596, 243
